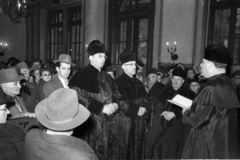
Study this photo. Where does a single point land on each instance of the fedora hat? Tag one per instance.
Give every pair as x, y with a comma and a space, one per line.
10, 75
64, 58
61, 110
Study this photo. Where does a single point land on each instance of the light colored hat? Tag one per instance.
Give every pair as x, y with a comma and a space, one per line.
61, 110
10, 75
64, 58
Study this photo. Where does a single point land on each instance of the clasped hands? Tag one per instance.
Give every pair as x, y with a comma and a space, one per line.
110, 108
168, 115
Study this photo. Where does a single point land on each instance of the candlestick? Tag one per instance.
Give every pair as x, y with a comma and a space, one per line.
172, 49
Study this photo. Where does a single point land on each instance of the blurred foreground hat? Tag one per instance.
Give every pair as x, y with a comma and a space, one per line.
127, 56
236, 74
10, 75
61, 110
179, 72
217, 53
95, 47
65, 58
152, 71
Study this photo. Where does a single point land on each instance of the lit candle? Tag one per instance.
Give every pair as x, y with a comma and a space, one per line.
175, 43
6, 45
167, 45
0, 44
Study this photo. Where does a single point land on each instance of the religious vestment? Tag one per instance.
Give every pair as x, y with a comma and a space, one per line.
133, 92
105, 134
171, 139
153, 122
213, 118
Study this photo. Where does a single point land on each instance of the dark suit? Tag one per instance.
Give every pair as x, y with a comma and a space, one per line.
51, 86
43, 146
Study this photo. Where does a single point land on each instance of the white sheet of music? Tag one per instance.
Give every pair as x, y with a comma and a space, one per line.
181, 101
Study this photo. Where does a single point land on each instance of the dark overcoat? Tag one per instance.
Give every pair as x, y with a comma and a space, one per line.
51, 86
133, 92
171, 141
213, 118
106, 134
43, 146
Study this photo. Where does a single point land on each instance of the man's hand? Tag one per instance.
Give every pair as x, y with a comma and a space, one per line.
110, 108
168, 115
30, 115
184, 109
141, 111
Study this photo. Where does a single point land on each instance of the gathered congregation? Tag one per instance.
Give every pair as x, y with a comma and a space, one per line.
54, 111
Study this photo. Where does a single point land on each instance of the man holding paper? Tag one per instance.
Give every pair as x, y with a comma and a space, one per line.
171, 140
213, 114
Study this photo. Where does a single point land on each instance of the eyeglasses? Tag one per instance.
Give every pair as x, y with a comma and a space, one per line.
47, 75
5, 109
131, 64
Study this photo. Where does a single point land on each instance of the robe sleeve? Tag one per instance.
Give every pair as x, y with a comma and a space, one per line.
199, 115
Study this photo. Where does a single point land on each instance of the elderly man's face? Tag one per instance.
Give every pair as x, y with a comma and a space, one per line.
11, 88
130, 67
152, 78
177, 82
3, 113
25, 72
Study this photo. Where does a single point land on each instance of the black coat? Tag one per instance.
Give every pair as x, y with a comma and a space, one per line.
213, 118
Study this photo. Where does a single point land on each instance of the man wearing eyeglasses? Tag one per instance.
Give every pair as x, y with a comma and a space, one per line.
133, 92
11, 135
97, 92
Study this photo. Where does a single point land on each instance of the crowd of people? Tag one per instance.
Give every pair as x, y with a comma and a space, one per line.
55, 111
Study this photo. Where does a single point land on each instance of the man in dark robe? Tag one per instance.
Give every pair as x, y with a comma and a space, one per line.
97, 92
171, 139
155, 90
213, 114
133, 93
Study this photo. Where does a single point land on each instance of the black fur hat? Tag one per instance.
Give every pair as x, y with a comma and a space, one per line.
217, 53
179, 72
95, 47
127, 56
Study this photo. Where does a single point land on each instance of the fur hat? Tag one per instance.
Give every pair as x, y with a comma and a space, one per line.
95, 47
179, 72
127, 56
217, 53
61, 110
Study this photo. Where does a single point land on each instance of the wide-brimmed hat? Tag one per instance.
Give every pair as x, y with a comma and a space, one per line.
10, 75
23, 65
64, 58
61, 110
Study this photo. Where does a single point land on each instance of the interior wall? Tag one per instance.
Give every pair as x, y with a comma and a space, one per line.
15, 36
178, 26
